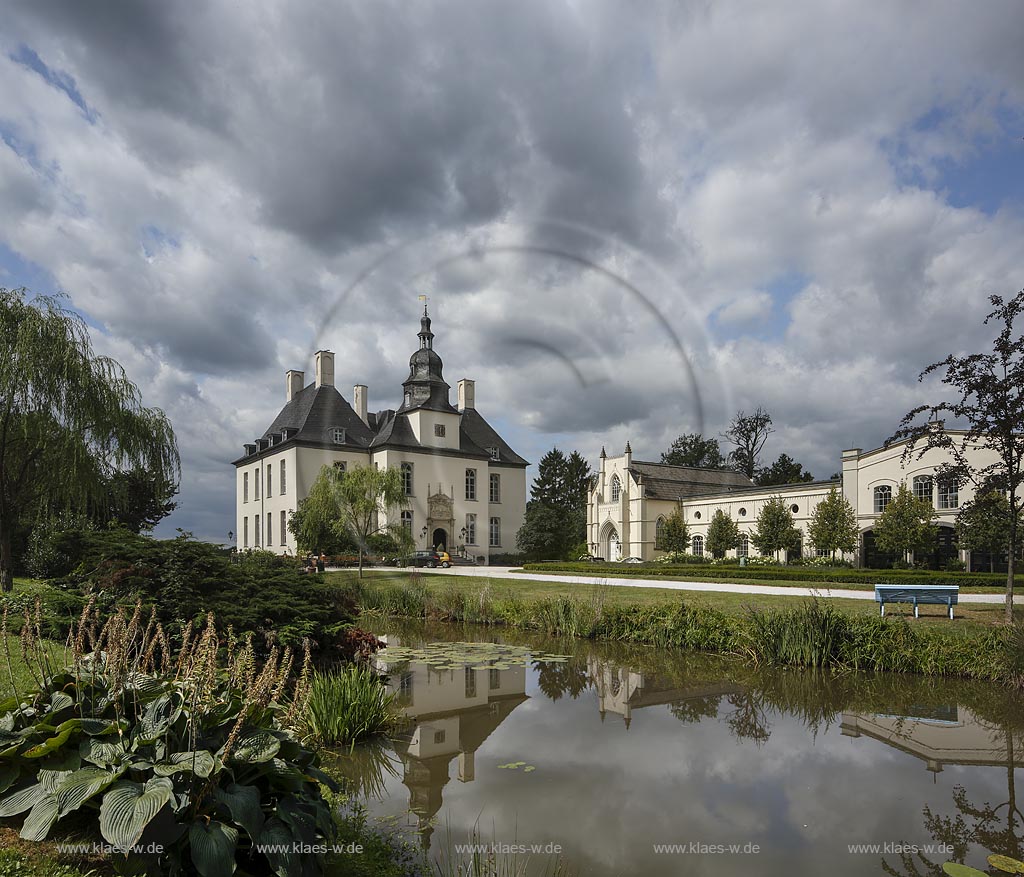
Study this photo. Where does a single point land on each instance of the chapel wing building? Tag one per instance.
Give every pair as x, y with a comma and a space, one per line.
465, 487
631, 500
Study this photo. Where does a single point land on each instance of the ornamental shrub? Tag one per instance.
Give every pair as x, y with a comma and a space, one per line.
187, 749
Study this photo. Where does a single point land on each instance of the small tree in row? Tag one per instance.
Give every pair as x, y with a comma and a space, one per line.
906, 525
675, 535
775, 530
723, 534
833, 525
983, 525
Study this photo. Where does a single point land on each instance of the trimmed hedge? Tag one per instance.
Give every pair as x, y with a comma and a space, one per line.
777, 573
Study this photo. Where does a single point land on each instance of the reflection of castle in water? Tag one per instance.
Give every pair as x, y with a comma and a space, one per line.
621, 690
453, 712
939, 735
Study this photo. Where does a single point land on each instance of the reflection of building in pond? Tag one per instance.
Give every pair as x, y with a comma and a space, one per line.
453, 713
621, 690
939, 735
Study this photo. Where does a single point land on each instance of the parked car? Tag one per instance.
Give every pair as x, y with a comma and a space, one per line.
428, 559
631, 560
444, 559
591, 558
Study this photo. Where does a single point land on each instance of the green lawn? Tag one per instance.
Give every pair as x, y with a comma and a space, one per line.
967, 615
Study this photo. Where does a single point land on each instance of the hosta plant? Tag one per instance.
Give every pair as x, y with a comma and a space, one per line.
179, 758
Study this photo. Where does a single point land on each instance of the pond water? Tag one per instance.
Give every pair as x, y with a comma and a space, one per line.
634, 750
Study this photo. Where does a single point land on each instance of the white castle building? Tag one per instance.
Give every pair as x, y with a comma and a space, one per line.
466, 488
631, 500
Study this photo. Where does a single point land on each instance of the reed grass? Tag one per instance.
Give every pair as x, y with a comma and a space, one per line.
814, 634
347, 706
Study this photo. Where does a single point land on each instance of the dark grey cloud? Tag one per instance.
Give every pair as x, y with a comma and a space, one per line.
242, 166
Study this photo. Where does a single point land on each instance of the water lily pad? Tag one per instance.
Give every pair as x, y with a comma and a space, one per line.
528, 768
1006, 864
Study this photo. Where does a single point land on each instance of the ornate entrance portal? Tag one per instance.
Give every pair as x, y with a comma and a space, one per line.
440, 519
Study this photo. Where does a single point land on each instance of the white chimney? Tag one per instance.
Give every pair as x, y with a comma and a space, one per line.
324, 368
293, 380
467, 394
359, 399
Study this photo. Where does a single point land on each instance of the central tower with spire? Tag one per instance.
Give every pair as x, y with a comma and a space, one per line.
426, 387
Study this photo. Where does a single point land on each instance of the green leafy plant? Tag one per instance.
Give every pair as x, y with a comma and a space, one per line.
346, 706
187, 749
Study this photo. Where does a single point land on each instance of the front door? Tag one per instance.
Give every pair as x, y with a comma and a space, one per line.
614, 546
440, 539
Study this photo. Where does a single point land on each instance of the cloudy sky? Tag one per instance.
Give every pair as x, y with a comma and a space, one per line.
631, 218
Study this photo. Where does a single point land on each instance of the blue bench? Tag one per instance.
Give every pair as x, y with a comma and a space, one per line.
941, 595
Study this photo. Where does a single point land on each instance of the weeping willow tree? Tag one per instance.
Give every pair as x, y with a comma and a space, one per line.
69, 419
358, 503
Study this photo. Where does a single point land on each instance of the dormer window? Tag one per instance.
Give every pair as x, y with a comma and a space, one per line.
495, 453
338, 435
439, 430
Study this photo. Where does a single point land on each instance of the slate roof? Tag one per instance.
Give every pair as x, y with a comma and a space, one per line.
663, 481
477, 433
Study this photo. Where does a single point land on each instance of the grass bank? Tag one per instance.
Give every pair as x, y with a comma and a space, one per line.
787, 576
768, 630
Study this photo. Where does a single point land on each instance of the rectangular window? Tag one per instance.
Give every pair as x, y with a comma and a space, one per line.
494, 679
439, 737
471, 529
439, 430
245, 532
284, 527
495, 533
284, 479
407, 521
270, 481
256, 484
256, 531
245, 487
495, 488
270, 530
471, 484
495, 454
948, 498
470, 682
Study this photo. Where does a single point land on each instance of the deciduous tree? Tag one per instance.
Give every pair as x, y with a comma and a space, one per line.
775, 530
990, 391
906, 525
69, 419
984, 525
675, 535
748, 432
359, 502
784, 470
723, 534
833, 526
692, 449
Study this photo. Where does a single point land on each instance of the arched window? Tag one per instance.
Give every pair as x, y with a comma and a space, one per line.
471, 484
407, 478
659, 534
616, 488
698, 546
923, 488
743, 547
883, 496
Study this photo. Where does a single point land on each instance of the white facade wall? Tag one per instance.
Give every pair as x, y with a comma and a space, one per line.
633, 518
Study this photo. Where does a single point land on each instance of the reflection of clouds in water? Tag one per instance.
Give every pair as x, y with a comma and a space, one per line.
607, 793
